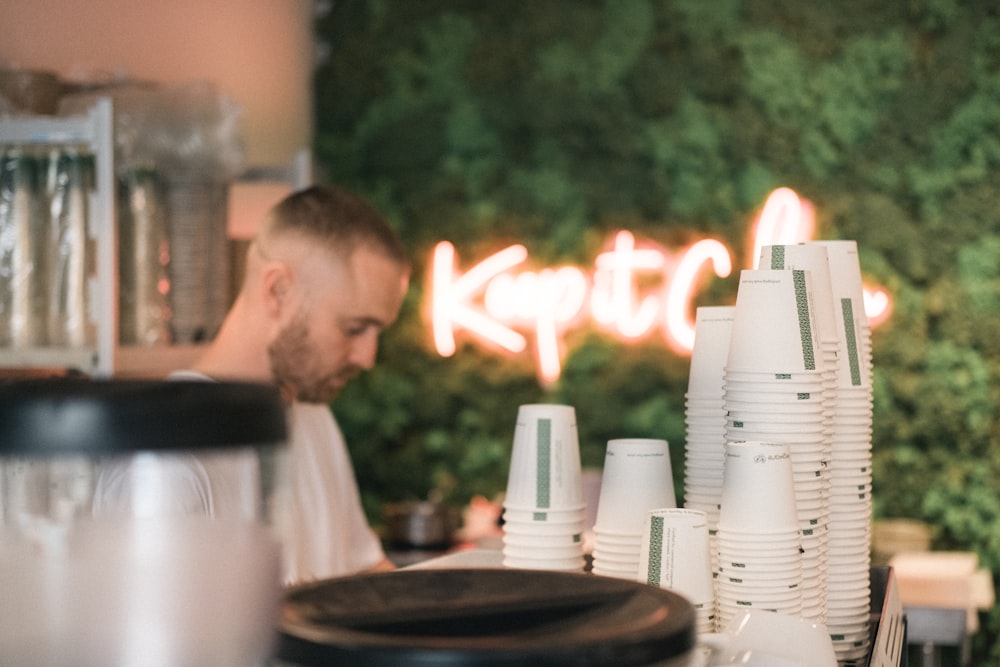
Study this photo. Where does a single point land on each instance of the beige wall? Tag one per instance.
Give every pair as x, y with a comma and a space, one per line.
259, 52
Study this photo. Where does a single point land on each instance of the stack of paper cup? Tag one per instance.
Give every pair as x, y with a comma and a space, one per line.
705, 412
760, 564
676, 555
543, 506
813, 258
776, 391
848, 589
637, 478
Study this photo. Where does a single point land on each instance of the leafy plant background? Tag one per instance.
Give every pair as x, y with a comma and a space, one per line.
555, 123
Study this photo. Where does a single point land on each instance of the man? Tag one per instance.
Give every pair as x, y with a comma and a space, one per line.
324, 277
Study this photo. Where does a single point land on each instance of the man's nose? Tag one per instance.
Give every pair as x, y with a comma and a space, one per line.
364, 350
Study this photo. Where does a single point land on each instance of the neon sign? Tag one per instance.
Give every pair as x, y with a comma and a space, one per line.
494, 304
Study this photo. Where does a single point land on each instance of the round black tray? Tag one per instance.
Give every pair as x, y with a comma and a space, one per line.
483, 617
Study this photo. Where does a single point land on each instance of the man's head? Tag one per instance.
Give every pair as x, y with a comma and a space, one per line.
333, 276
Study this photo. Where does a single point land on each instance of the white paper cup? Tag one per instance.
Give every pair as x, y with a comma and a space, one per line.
546, 552
800, 432
774, 329
637, 478
629, 551
676, 552
556, 564
605, 559
527, 528
737, 375
853, 365
777, 637
774, 395
545, 468
542, 515
712, 328
811, 257
617, 537
519, 540
615, 574
815, 409
758, 491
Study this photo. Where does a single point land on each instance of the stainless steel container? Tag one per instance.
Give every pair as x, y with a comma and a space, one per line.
420, 525
139, 522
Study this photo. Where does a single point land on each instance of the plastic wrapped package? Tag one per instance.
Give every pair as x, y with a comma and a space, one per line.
22, 251
72, 250
143, 261
187, 139
24, 92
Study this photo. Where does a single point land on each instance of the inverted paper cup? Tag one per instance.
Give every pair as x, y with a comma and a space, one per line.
814, 259
771, 389
561, 564
619, 541
543, 515
628, 575
545, 468
815, 409
617, 544
761, 587
764, 552
767, 599
516, 539
515, 551
853, 366
777, 396
616, 561
743, 562
637, 478
758, 491
803, 434
773, 328
676, 552
816, 378
813, 420
543, 528
712, 328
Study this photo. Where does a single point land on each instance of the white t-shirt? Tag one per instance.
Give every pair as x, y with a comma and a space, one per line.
328, 534
324, 529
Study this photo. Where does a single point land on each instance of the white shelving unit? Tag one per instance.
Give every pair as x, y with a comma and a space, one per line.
93, 132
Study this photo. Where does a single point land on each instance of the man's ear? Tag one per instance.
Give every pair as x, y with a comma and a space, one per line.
277, 280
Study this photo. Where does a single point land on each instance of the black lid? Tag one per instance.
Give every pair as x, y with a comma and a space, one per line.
78, 415
483, 617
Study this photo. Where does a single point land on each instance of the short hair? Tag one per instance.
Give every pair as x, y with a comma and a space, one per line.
337, 218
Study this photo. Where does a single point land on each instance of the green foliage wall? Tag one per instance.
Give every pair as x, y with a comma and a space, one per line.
556, 122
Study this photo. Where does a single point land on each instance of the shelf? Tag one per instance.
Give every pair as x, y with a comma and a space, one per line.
154, 362
93, 131
103, 355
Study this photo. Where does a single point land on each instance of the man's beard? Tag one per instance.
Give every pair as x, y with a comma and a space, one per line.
292, 356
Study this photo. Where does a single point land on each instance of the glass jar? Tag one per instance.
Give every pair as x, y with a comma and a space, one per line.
139, 522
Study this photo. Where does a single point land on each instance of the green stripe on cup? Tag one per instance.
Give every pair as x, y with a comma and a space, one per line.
778, 257
543, 478
655, 550
805, 322
847, 308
